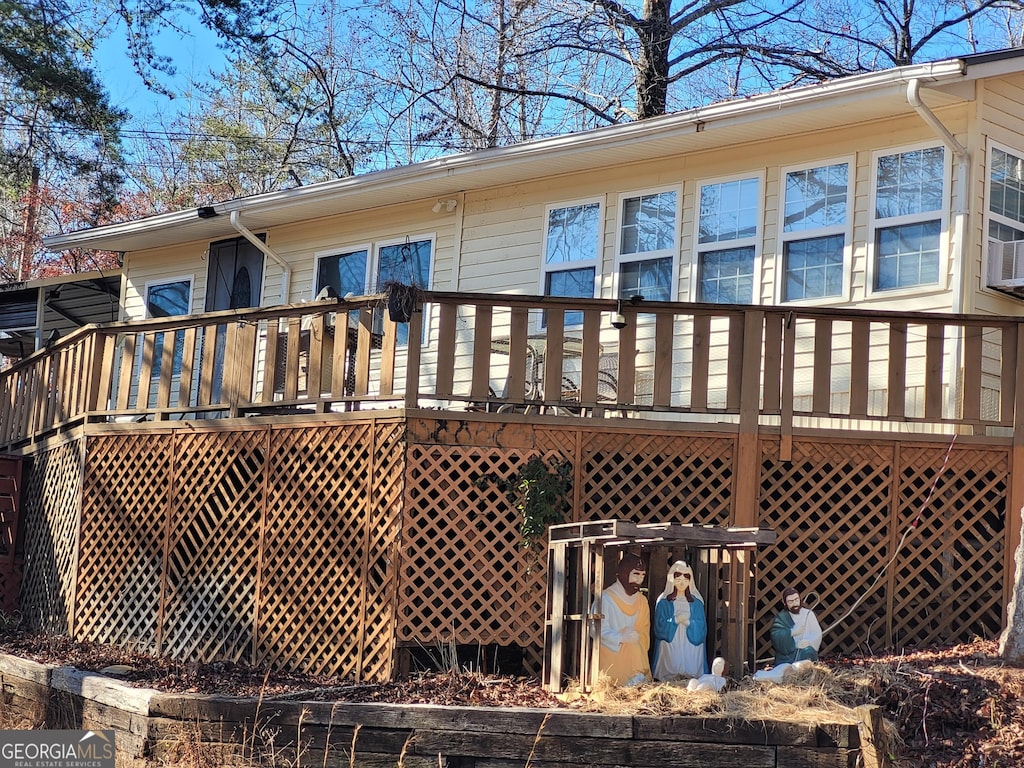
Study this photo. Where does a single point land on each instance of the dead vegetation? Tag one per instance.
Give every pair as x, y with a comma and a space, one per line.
955, 707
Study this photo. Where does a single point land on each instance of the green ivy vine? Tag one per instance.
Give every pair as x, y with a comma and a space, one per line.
541, 495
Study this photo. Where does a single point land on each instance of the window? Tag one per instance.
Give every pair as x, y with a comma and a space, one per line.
647, 245
814, 218
909, 194
407, 262
168, 299
1006, 197
571, 246
349, 272
344, 272
726, 241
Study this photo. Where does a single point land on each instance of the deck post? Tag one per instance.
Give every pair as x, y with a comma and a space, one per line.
746, 483
1015, 497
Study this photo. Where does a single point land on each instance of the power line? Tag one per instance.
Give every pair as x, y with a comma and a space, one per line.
189, 136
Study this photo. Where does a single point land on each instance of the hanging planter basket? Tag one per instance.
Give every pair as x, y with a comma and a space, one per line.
402, 301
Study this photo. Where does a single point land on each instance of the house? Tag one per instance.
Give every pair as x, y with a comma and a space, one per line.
820, 293
886, 190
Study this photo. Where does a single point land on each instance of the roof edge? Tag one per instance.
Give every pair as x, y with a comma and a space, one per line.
698, 118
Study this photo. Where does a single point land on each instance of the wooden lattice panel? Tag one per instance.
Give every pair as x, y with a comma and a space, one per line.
213, 545
315, 548
124, 513
383, 532
324, 601
830, 507
948, 580
50, 505
463, 571
10, 508
656, 478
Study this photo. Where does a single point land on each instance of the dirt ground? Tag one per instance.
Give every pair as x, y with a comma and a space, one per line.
949, 707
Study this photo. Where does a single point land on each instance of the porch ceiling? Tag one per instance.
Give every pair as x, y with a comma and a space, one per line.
810, 109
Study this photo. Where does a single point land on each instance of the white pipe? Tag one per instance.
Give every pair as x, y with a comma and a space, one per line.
286, 270
961, 210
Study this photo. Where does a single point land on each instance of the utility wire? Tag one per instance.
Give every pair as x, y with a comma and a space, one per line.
913, 526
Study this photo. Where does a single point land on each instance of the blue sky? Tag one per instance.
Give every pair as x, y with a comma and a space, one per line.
193, 56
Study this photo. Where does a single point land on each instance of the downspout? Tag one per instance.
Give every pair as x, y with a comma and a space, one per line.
286, 270
960, 212
960, 205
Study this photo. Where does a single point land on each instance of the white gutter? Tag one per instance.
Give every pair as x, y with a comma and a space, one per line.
450, 168
286, 270
961, 209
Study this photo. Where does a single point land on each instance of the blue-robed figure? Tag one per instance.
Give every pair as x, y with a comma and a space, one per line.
680, 627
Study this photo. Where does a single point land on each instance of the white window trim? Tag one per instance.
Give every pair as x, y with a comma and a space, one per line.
672, 253
190, 279
326, 254
808, 234
875, 224
545, 268
989, 215
700, 248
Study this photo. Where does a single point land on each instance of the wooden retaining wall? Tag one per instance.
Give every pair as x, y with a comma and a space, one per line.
154, 729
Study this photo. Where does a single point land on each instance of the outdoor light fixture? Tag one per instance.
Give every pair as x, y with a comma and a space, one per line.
448, 205
619, 319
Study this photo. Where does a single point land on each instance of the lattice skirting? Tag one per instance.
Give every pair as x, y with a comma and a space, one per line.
330, 548
50, 526
268, 546
840, 510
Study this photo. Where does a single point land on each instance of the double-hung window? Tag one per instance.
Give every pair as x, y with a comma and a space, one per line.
909, 193
648, 233
814, 232
1005, 213
727, 240
572, 243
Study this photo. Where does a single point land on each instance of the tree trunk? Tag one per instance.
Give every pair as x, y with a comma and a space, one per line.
652, 64
1011, 641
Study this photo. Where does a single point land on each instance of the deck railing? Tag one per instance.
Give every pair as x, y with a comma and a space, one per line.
744, 365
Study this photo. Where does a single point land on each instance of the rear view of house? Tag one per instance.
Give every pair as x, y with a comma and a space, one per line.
799, 310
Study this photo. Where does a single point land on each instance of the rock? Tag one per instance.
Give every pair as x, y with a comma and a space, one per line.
117, 670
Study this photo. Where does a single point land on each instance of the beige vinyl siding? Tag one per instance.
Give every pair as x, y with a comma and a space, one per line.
496, 234
161, 265
1001, 105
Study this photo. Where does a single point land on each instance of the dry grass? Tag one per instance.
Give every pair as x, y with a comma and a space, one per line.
816, 694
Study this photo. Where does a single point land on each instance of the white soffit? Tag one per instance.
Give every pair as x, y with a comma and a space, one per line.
809, 109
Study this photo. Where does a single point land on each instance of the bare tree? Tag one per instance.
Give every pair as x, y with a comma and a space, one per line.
831, 38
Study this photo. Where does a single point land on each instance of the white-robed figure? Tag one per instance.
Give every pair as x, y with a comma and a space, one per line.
680, 627
795, 634
626, 625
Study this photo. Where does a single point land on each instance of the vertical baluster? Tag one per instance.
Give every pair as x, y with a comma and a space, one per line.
897, 407
699, 366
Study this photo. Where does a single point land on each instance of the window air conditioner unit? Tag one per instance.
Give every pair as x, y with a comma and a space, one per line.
1006, 265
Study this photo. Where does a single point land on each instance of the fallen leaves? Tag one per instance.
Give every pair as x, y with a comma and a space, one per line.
955, 707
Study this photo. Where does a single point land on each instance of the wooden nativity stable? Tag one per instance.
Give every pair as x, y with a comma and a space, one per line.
582, 560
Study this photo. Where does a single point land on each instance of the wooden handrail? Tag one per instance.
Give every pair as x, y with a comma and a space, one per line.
748, 365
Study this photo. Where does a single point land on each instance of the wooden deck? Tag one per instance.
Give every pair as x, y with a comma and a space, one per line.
749, 366
333, 523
